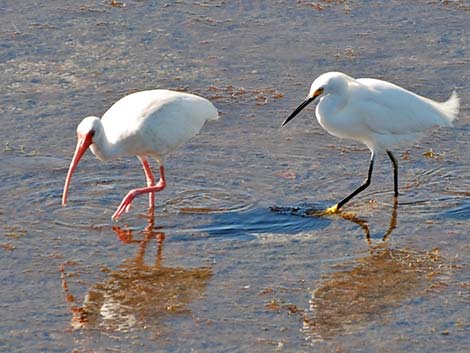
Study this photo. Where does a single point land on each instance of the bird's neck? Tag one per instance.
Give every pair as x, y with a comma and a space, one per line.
332, 103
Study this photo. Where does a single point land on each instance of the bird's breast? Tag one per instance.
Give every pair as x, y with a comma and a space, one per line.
337, 120
330, 117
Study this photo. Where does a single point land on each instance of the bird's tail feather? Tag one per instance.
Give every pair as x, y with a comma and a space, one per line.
450, 108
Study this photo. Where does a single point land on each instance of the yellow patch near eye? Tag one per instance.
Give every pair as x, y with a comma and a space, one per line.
318, 92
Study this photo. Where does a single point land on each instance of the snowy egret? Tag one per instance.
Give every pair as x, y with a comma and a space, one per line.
143, 124
377, 113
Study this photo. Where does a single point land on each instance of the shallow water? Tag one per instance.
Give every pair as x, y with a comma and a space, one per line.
230, 261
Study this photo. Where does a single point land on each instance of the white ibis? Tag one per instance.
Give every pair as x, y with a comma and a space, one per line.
377, 113
143, 124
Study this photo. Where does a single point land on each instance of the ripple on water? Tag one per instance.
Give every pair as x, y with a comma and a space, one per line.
437, 190
234, 213
86, 212
225, 219
82, 216
460, 212
210, 200
88, 204
262, 220
442, 178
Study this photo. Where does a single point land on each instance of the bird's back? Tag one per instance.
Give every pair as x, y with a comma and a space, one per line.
411, 111
157, 121
386, 114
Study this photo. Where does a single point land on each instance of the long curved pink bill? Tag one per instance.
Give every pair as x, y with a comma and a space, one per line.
82, 145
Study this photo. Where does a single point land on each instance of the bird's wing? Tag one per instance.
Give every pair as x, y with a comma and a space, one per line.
389, 109
161, 115
178, 119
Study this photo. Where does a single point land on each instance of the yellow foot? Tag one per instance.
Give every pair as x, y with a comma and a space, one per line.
332, 209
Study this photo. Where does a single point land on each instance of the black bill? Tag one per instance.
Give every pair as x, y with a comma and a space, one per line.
297, 110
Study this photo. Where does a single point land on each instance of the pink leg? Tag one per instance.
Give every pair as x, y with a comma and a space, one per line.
150, 180
127, 200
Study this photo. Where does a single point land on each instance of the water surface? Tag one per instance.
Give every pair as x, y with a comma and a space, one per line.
230, 261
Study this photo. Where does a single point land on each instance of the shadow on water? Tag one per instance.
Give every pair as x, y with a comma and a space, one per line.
346, 300
459, 212
313, 211
261, 221
366, 290
136, 293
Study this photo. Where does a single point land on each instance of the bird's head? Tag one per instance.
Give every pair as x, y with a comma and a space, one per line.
89, 125
86, 131
327, 83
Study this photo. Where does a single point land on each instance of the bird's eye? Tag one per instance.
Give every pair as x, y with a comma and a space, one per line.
92, 133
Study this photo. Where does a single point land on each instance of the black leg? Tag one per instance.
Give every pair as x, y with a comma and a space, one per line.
364, 186
395, 171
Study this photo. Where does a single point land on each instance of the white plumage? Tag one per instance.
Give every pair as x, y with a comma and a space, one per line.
377, 113
143, 124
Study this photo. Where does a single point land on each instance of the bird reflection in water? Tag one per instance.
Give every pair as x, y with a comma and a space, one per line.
363, 223
368, 288
137, 294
